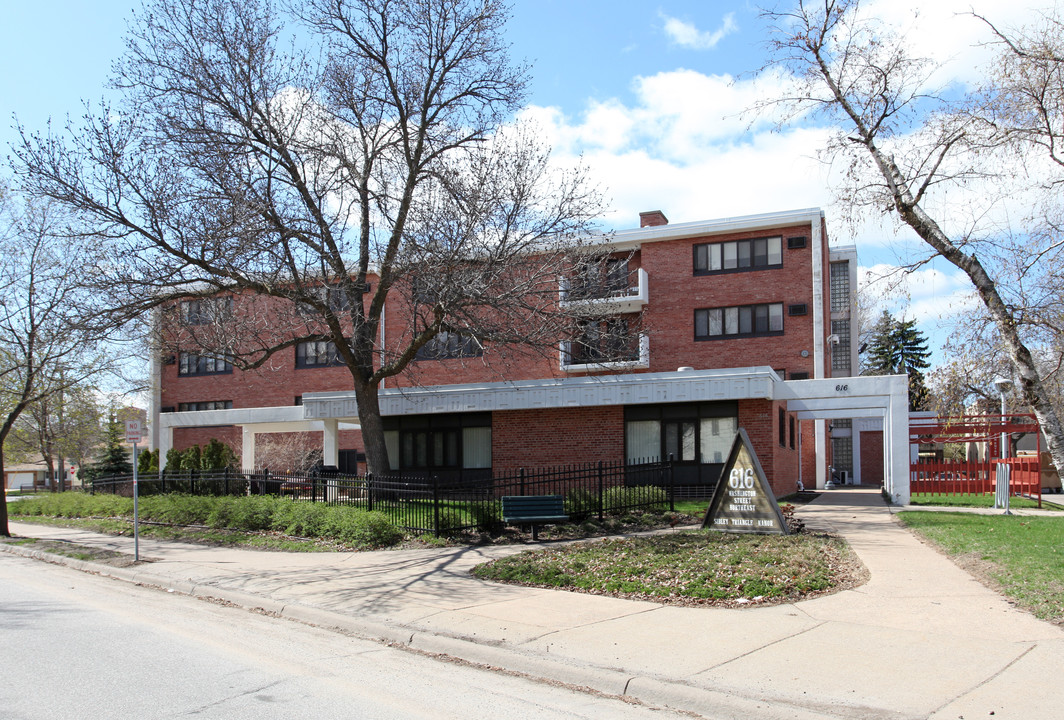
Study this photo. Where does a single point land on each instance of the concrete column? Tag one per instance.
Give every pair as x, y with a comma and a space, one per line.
855, 438
896, 441
821, 434
165, 438
330, 451
247, 449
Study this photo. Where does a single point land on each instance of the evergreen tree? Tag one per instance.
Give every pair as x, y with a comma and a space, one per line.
217, 456
173, 460
191, 459
115, 458
897, 347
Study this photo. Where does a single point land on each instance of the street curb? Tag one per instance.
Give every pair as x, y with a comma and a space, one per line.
650, 690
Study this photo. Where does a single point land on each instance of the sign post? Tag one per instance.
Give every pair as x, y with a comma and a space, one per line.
133, 435
743, 501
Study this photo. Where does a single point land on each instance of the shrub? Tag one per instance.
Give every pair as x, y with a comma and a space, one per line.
581, 504
362, 529
621, 500
144, 463
301, 519
217, 456
177, 508
190, 459
173, 460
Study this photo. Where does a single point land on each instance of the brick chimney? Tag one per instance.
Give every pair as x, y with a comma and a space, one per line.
652, 218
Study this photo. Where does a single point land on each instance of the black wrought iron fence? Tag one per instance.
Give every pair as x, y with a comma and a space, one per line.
433, 503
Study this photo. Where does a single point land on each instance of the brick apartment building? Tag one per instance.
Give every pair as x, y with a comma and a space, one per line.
730, 312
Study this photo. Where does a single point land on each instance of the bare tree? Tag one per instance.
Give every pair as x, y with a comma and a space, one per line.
903, 146
48, 325
60, 427
381, 149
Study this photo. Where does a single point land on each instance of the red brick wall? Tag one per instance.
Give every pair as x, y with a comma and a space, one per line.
760, 419
543, 438
872, 458
675, 293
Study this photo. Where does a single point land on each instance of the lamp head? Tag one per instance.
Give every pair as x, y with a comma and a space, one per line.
1002, 384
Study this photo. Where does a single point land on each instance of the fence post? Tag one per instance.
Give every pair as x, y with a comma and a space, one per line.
522, 473
600, 495
369, 491
436, 504
225, 482
265, 480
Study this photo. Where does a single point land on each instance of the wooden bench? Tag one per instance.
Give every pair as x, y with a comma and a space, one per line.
534, 510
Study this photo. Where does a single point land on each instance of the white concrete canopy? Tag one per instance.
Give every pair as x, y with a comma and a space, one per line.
881, 397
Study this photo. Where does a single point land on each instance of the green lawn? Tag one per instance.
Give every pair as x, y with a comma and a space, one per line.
1023, 556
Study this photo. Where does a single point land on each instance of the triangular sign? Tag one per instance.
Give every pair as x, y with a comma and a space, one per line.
743, 501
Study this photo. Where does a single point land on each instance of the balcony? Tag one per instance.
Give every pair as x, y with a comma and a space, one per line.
612, 295
577, 357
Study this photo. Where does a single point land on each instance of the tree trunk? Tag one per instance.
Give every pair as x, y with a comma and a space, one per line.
369, 417
4, 530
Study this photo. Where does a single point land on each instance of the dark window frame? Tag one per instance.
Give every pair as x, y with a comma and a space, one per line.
325, 355
450, 345
746, 251
746, 315
205, 311
204, 365
202, 405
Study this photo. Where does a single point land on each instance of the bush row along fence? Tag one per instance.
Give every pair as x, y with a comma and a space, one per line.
431, 503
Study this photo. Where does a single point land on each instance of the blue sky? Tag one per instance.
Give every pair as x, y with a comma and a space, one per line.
647, 94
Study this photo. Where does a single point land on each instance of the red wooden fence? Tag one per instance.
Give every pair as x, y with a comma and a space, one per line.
969, 478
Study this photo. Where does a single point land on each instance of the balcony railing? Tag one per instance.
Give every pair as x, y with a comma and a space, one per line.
577, 358
629, 294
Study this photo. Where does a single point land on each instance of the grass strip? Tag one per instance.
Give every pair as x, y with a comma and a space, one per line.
689, 568
1020, 556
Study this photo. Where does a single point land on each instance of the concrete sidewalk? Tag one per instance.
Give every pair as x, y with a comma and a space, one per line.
922, 639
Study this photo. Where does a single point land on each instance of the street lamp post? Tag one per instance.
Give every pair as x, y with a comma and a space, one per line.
1003, 386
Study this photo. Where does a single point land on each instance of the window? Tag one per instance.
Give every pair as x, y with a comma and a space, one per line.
700, 433
204, 311
840, 286
799, 375
205, 405
334, 295
448, 344
797, 309
782, 429
796, 243
744, 320
193, 364
317, 353
840, 351
603, 340
792, 432
738, 255
440, 442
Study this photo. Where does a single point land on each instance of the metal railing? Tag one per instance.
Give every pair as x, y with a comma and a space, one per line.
434, 503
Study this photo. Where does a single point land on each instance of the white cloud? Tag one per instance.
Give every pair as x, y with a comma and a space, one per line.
685, 34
